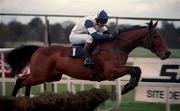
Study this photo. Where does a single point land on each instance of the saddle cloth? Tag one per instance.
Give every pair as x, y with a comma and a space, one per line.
77, 51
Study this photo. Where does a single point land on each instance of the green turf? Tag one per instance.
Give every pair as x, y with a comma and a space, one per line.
128, 102
141, 52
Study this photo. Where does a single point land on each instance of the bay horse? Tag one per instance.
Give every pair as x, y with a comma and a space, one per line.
48, 64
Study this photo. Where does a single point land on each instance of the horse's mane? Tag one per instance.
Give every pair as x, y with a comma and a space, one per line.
130, 28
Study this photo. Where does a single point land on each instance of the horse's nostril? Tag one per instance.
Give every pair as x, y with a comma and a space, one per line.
168, 53
165, 55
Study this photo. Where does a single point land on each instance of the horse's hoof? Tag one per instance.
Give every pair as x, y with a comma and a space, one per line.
123, 91
127, 88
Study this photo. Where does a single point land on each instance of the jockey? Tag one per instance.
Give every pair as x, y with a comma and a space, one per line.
88, 29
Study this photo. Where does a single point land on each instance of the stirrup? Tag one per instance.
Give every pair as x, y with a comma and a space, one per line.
88, 61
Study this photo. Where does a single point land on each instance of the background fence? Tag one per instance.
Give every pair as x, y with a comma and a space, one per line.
51, 26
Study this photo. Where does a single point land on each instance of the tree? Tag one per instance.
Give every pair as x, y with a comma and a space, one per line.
3, 34
57, 33
112, 27
170, 34
68, 29
36, 29
35, 23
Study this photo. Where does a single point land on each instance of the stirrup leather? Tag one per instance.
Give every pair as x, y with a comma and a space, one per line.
88, 61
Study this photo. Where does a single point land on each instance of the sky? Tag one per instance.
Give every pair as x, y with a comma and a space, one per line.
120, 8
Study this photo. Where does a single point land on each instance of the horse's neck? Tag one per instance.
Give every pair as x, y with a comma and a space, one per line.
132, 39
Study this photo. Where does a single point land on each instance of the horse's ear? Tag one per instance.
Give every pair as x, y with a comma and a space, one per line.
151, 23
154, 25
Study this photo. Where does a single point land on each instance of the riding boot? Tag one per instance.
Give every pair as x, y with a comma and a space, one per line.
87, 53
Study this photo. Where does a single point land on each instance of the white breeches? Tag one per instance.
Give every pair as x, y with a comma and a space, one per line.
80, 38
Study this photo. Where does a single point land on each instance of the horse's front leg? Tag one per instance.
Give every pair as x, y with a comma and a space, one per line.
135, 73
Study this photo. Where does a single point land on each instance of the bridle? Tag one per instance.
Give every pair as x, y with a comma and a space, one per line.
148, 40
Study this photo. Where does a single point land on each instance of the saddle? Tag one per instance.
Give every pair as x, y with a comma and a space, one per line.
77, 51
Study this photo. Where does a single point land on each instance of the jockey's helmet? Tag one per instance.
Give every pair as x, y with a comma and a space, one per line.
102, 17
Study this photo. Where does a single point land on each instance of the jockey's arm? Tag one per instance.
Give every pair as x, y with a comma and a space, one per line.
105, 30
92, 31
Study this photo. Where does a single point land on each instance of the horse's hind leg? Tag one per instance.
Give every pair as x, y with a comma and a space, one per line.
28, 90
17, 86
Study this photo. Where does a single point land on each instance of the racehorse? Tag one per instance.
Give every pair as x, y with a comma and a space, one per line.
48, 64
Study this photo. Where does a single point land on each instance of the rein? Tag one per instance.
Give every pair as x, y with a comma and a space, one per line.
125, 39
115, 50
147, 39
118, 52
116, 46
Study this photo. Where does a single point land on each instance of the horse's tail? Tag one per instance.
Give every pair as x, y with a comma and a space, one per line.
20, 57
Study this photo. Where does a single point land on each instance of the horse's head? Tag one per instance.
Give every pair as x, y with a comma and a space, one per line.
154, 42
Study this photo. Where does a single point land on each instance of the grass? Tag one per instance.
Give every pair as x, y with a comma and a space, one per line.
141, 52
128, 102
